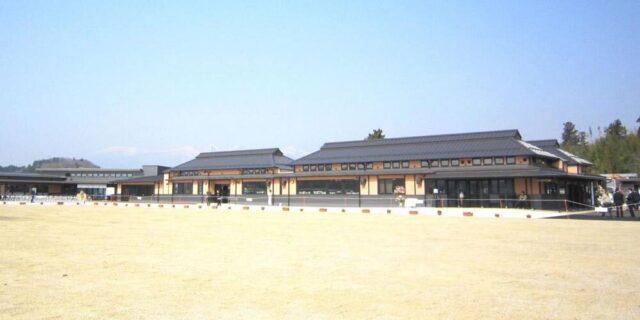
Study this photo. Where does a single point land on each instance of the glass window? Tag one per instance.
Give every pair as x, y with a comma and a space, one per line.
487, 161
511, 160
477, 161
352, 166
344, 167
424, 163
396, 164
387, 165
444, 163
327, 167
360, 166
321, 167
183, 188
499, 161
386, 186
405, 164
254, 188
455, 163
331, 187
313, 167
305, 167
369, 165
435, 163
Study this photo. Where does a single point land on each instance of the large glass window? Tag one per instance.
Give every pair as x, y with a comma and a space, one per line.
331, 187
386, 186
455, 163
511, 160
183, 188
254, 188
444, 163
424, 163
499, 161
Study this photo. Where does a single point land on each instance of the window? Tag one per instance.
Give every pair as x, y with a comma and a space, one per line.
369, 165
499, 161
511, 160
387, 165
405, 164
487, 161
327, 167
424, 163
444, 163
476, 161
304, 168
435, 163
455, 163
183, 188
254, 188
313, 167
396, 164
320, 167
344, 167
360, 166
330, 187
386, 186
352, 166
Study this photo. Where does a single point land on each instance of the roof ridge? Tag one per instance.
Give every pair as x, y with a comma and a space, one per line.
509, 133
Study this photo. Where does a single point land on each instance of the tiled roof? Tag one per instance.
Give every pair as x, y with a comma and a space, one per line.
552, 146
465, 145
258, 158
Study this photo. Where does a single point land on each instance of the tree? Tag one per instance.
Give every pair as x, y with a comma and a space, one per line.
570, 135
616, 129
377, 134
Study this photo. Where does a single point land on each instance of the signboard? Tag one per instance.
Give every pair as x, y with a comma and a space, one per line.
110, 191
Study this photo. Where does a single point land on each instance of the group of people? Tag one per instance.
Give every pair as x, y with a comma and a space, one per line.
617, 200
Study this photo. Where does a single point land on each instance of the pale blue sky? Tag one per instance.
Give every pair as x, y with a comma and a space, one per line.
156, 82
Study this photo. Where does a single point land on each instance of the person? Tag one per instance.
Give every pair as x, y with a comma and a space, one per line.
522, 201
604, 197
208, 198
633, 198
33, 194
461, 199
618, 201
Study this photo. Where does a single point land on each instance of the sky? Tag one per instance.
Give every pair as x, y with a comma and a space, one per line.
127, 83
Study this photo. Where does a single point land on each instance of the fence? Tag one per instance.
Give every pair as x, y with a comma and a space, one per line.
345, 201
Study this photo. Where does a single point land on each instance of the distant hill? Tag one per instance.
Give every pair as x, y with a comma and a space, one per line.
56, 162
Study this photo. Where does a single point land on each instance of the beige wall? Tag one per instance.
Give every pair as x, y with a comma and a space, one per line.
519, 185
420, 186
410, 185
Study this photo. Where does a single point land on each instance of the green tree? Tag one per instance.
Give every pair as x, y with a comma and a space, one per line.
570, 135
377, 134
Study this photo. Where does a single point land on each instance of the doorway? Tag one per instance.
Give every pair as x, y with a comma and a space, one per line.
221, 190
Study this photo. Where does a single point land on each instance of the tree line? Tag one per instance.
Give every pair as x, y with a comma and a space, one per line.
615, 149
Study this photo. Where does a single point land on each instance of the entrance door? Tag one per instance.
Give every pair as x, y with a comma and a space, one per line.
222, 190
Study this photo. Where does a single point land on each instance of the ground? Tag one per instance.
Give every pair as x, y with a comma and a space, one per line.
86, 262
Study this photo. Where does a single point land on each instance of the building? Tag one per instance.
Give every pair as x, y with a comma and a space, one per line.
96, 182
23, 183
622, 180
240, 176
488, 168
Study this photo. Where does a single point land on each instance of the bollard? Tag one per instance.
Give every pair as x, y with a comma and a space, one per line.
285, 209
413, 212
366, 211
467, 214
323, 209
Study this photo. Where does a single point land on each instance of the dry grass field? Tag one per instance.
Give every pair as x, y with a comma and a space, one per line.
140, 263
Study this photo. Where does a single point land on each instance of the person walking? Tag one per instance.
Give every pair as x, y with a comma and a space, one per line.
633, 198
605, 200
618, 202
461, 199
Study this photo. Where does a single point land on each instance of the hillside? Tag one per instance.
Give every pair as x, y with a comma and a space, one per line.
56, 162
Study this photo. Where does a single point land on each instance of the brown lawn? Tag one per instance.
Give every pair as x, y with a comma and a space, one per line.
69, 262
